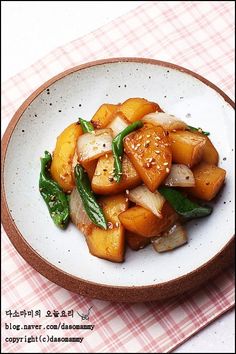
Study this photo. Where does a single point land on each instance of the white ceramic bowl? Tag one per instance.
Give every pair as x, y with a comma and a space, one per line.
63, 256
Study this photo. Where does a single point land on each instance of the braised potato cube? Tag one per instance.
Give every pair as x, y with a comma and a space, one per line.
112, 206
149, 151
103, 116
103, 182
208, 181
136, 242
187, 147
210, 154
109, 244
135, 108
90, 168
63, 156
144, 223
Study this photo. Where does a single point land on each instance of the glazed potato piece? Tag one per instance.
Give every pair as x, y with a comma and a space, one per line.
136, 242
103, 116
63, 155
208, 181
103, 183
210, 154
144, 223
109, 244
91, 146
112, 206
90, 168
149, 151
187, 147
171, 239
135, 108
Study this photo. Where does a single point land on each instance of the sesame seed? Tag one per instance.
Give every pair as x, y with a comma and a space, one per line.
106, 156
157, 151
127, 191
126, 199
132, 146
150, 159
120, 158
146, 145
117, 224
157, 138
167, 170
165, 163
148, 136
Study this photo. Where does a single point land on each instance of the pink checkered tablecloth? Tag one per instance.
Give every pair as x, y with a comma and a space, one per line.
199, 36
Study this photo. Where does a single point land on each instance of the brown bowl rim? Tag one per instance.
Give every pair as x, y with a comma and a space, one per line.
88, 288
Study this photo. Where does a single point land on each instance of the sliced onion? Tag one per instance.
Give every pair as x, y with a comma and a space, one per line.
91, 146
165, 120
152, 201
118, 124
77, 213
173, 238
180, 176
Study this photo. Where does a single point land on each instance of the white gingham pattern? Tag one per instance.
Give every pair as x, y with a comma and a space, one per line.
193, 34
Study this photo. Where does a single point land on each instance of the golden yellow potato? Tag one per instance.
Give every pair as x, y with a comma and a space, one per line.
103, 182
136, 108
144, 223
149, 151
109, 244
187, 147
104, 115
63, 155
210, 154
208, 181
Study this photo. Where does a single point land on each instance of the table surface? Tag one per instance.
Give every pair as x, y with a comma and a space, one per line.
30, 30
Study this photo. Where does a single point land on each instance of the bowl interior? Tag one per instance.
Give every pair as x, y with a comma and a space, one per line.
79, 95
